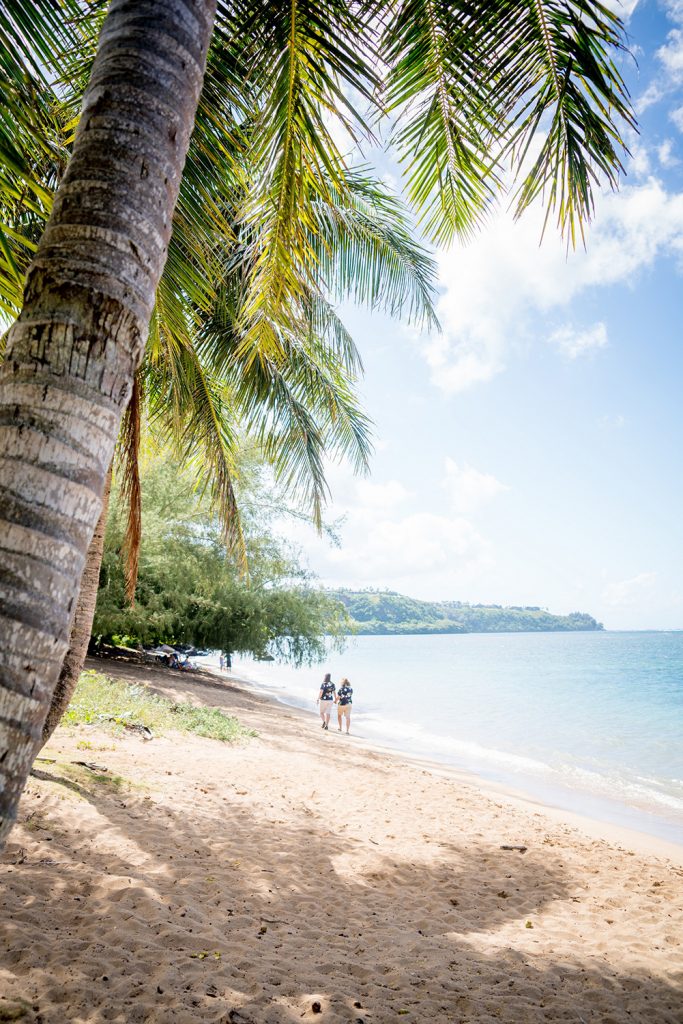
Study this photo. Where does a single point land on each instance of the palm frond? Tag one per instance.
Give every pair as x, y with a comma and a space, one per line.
299, 407
34, 34
36, 37
306, 55
473, 83
366, 250
189, 410
557, 68
437, 90
326, 326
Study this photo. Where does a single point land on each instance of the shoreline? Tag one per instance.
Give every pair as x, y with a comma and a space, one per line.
593, 825
303, 876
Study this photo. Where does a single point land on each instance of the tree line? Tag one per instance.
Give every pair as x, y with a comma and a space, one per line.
385, 612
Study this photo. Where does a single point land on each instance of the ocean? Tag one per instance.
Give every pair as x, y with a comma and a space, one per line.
587, 722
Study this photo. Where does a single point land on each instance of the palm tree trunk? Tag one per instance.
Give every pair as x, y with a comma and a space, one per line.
72, 354
82, 624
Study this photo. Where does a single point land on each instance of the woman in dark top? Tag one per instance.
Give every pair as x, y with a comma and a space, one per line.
344, 703
326, 699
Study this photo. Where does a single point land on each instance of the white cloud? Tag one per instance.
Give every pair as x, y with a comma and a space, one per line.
616, 420
505, 289
416, 545
420, 550
677, 118
624, 8
382, 497
629, 592
457, 365
640, 163
665, 154
467, 488
655, 91
573, 343
383, 539
671, 56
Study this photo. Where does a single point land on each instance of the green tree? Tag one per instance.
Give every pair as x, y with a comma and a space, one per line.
468, 85
388, 612
190, 591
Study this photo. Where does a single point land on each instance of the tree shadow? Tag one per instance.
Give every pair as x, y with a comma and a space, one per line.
216, 910
212, 911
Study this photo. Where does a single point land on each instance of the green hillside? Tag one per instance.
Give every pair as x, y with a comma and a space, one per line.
377, 612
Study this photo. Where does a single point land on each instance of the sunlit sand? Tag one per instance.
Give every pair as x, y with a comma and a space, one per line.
302, 875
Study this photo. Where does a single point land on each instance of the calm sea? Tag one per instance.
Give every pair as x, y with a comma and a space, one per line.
590, 722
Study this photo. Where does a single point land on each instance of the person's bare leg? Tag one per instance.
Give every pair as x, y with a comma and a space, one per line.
339, 718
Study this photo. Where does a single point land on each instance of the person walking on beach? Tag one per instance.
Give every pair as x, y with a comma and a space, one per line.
326, 698
344, 704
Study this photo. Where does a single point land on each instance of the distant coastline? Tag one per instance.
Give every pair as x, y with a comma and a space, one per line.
378, 613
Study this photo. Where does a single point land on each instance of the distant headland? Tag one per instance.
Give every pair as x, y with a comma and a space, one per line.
377, 612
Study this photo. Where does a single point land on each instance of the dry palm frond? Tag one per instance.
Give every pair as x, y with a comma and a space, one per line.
129, 461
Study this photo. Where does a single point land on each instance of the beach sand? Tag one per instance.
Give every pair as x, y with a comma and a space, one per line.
301, 875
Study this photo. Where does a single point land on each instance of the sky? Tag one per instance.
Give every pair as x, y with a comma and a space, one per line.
531, 452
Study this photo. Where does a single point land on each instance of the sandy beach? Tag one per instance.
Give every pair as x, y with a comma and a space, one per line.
301, 875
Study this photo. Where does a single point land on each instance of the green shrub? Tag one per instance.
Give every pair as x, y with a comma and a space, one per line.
99, 700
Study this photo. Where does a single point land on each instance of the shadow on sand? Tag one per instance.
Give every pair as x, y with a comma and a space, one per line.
179, 928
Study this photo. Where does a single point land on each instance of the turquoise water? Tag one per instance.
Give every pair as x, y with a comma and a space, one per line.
590, 722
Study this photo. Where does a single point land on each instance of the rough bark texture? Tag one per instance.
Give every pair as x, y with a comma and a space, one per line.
81, 627
72, 354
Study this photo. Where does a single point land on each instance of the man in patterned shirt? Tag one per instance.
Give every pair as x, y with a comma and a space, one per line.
344, 702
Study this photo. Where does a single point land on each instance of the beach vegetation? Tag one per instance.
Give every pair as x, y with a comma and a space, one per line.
189, 590
115, 706
12, 1009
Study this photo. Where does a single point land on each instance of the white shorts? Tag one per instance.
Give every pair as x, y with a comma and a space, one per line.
326, 707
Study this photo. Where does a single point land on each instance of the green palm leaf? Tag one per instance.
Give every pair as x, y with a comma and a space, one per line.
305, 56
556, 75
189, 410
443, 111
365, 250
472, 84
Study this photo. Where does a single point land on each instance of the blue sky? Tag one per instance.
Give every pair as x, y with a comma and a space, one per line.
530, 454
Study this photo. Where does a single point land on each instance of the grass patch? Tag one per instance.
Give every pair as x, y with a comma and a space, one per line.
113, 781
85, 778
13, 1009
99, 700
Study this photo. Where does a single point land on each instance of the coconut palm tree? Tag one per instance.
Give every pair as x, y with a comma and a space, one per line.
468, 85
197, 401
